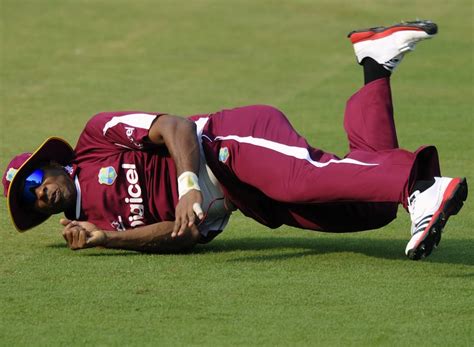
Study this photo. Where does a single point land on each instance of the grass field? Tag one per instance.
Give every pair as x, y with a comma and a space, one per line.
63, 61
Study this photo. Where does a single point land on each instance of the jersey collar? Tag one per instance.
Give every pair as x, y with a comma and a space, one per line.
75, 212
78, 197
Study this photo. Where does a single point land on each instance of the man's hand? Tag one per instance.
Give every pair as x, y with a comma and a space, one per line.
80, 235
188, 207
178, 135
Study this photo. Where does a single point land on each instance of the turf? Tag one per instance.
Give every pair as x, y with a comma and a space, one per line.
63, 61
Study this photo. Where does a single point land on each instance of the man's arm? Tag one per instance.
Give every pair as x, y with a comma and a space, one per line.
153, 238
179, 136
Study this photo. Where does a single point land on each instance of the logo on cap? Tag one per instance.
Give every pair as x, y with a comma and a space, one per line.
107, 175
11, 173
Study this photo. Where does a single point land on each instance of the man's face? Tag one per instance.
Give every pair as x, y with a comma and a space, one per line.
57, 192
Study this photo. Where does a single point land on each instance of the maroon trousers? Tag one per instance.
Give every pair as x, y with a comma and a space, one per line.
273, 175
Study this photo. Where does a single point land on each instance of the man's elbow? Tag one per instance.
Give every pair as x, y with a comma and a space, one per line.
188, 126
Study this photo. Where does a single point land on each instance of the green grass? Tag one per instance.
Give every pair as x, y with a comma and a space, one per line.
63, 61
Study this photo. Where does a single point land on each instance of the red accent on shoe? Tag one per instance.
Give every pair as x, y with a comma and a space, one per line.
371, 35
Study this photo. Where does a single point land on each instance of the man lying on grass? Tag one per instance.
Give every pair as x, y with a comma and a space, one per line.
153, 182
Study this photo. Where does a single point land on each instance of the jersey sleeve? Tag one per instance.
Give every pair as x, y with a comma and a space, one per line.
116, 131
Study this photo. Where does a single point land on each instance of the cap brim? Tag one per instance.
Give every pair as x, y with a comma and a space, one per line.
53, 149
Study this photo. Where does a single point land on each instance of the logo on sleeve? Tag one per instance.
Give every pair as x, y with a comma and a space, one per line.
69, 169
130, 135
107, 175
223, 154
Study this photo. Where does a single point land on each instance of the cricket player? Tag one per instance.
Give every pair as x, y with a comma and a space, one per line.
154, 182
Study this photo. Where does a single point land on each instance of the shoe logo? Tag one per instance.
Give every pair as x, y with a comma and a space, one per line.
420, 226
107, 175
223, 154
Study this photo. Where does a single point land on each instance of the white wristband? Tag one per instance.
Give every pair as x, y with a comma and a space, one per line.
187, 181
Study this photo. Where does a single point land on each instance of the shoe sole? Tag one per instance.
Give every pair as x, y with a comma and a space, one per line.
453, 200
357, 36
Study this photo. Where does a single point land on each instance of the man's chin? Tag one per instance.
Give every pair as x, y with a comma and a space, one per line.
58, 208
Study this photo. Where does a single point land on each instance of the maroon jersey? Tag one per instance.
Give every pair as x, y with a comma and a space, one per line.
123, 181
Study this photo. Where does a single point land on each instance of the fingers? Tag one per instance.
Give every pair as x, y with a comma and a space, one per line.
67, 235
186, 219
64, 221
75, 235
187, 210
198, 210
191, 219
82, 238
181, 223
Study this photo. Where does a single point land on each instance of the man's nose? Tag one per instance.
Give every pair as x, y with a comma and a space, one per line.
41, 192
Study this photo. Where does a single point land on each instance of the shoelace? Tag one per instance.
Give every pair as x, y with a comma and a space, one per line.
412, 201
419, 225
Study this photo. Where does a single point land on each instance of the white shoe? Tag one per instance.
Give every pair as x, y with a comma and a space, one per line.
429, 212
387, 45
